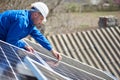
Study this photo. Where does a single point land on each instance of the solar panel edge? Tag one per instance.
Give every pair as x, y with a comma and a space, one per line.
34, 69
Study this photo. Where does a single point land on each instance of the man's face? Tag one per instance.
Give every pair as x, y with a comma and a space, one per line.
37, 18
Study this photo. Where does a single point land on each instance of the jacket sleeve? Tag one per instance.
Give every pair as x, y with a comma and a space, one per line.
41, 39
14, 33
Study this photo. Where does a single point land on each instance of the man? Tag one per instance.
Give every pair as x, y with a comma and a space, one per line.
17, 24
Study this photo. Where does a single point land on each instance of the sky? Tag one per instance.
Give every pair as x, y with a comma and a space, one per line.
95, 1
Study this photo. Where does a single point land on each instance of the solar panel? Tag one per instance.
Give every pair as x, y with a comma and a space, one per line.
11, 56
68, 70
7, 64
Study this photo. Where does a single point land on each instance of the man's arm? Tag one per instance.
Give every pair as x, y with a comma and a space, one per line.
39, 37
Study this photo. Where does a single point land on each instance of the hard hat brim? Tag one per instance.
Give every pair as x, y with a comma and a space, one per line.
44, 20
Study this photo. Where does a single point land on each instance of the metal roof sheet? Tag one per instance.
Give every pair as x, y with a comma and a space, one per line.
99, 48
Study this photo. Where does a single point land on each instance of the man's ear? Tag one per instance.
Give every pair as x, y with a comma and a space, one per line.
36, 14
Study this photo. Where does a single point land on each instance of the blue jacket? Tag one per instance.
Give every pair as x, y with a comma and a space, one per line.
17, 24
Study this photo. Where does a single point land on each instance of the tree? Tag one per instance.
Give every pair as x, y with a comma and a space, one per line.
23, 4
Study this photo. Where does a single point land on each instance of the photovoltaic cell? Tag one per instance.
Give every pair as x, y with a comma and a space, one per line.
8, 62
10, 56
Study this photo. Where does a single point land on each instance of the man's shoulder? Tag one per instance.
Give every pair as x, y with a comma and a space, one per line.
18, 11
15, 12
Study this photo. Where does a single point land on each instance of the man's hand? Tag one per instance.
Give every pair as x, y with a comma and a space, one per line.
56, 54
29, 48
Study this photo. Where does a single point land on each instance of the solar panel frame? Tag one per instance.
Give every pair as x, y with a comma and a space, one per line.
34, 69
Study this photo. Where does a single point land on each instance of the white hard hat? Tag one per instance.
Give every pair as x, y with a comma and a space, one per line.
42, 7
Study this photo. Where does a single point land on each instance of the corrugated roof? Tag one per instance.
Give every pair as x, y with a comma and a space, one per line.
99, 48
